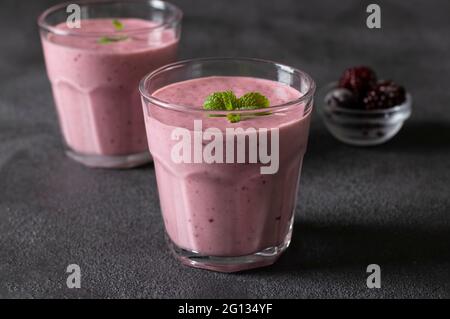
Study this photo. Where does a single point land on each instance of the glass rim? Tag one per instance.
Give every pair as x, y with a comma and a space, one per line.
185, 108
175, 18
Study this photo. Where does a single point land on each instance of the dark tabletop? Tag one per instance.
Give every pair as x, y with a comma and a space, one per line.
388, 205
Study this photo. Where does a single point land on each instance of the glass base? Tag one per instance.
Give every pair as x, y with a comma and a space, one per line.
262, 258
107, 161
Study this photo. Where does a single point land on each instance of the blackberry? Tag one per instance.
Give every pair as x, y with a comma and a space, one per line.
341, 98
385, 94
359, 80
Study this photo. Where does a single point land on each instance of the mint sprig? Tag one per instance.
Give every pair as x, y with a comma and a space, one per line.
253, 100
118, 25
227, 101
221, 101
113, 39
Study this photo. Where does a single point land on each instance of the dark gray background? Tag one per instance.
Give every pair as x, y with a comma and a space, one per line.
388, 205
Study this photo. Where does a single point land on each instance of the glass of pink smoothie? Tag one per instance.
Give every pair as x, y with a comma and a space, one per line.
95, 67
225, 208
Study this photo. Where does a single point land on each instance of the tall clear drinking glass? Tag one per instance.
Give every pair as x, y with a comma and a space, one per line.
227, 206
96, 52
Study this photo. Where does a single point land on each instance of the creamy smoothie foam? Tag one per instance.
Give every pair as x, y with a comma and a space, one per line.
95, 85
227, 210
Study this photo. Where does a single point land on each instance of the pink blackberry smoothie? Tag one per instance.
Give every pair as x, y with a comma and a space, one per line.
227, 209
95, 86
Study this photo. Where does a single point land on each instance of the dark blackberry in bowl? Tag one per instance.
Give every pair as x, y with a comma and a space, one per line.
384, 95
358, 80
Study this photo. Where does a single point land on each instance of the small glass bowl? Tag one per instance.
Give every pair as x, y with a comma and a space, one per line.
363, 127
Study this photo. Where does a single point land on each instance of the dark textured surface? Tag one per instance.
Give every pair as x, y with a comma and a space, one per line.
388, 205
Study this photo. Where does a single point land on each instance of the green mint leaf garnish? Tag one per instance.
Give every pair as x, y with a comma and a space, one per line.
112, 39
253, 100
118, 25
108, 40
221, 101
227, 101
233, 118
